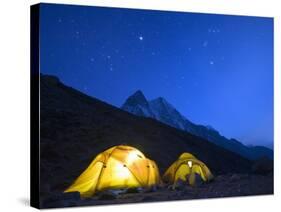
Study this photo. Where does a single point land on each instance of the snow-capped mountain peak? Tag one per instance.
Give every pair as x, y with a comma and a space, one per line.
159, 109
137, 104
137, 99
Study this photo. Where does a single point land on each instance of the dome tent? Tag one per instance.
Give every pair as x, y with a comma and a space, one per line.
185, 168
117, 168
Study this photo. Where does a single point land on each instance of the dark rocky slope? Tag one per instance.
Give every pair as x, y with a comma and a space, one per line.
76, 127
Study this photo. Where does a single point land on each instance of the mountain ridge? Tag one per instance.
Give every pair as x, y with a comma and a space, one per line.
161, 110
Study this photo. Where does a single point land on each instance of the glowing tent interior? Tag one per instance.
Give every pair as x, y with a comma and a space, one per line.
185, 168
117, 168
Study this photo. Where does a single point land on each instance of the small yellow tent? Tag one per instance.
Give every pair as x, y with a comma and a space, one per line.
185, 169
116, 168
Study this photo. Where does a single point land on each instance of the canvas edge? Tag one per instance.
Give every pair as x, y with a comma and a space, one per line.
34, 107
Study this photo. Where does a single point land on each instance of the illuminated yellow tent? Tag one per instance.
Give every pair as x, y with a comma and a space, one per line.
185, 169
116, 168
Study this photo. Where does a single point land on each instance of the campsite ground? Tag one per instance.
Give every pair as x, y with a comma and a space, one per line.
230, 185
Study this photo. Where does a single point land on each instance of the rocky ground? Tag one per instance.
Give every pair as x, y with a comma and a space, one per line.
222, 186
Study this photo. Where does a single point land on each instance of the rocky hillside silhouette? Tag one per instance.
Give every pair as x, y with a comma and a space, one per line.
75, 127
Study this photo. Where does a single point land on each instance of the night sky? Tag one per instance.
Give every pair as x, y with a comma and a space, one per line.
216, 70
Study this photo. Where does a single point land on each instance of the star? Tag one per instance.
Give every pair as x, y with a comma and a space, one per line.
140, 38
212, 62
59, 20
210, 30
205, 44
92, 59
108, 57
77, 34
